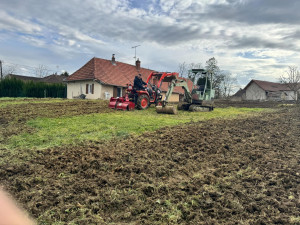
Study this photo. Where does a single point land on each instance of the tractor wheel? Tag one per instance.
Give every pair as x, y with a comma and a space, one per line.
143, 102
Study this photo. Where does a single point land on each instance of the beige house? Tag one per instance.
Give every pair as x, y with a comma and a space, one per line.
102, 79
265, 90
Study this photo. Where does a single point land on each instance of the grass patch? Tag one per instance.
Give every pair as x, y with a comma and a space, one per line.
50, 132
295, 220
17, 101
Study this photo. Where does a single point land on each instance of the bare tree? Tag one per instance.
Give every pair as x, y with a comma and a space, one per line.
9, 69
227, 85
182, 69
41, 71
216, 74
292, 80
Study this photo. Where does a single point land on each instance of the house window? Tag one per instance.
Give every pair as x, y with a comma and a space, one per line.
89, 89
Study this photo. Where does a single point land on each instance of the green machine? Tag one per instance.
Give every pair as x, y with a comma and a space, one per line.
199, 99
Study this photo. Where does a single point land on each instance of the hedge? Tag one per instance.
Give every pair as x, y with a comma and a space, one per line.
13, 87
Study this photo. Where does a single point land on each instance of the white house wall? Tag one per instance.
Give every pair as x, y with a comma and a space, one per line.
97, 91
254, 92
288, 95
75, 89
107, 92
79, 87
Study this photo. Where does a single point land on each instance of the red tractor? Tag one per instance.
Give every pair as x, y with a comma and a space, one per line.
142, 99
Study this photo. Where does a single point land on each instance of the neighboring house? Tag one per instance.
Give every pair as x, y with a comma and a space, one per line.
102, 79
239, 95
264, 90
23, 78
54, 79
51, 79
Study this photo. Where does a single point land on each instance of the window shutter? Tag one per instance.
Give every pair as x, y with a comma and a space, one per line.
92, 88
87, 89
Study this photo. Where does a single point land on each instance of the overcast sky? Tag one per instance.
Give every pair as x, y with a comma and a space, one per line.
252, 39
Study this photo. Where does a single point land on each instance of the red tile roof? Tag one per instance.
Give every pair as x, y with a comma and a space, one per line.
269, 86
58, 79
54, 79
106, 72
24, 78
116, 74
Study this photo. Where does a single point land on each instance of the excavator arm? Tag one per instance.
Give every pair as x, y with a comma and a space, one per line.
170, 109
178, 83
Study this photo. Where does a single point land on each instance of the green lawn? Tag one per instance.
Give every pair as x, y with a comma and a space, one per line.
50, 132
17, 101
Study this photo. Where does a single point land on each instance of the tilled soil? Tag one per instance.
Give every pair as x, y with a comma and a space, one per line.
22, 112
223, 103
241, 171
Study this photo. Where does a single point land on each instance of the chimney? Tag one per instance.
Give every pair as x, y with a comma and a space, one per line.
113, 59
138, 64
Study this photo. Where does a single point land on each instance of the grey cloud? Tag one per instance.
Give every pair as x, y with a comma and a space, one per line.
293, 35
103, 25
256, 11
243, 42
278, 66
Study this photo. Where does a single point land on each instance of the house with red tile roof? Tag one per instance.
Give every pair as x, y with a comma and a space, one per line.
102, 79
265, 90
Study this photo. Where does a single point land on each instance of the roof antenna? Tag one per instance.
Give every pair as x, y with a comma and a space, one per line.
135, 51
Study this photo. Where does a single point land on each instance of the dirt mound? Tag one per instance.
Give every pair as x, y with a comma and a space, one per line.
231, 172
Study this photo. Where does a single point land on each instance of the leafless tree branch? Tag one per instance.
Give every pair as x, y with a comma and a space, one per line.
291, 79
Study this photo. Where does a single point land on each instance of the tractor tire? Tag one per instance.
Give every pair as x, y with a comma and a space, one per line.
143, 102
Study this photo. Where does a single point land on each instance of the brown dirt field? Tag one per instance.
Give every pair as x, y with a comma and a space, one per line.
221, 103
241, 171
23, 112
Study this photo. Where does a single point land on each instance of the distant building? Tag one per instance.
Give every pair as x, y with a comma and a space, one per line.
239, 95
54, 79
102, 79
23, 78
265, 90
51, 79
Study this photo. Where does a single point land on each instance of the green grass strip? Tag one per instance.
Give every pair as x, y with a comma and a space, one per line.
52, 132
17, 101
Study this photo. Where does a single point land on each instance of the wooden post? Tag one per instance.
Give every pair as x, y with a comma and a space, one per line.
1, 70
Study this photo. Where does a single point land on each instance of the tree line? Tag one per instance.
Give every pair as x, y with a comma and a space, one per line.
13, 87
222, 82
